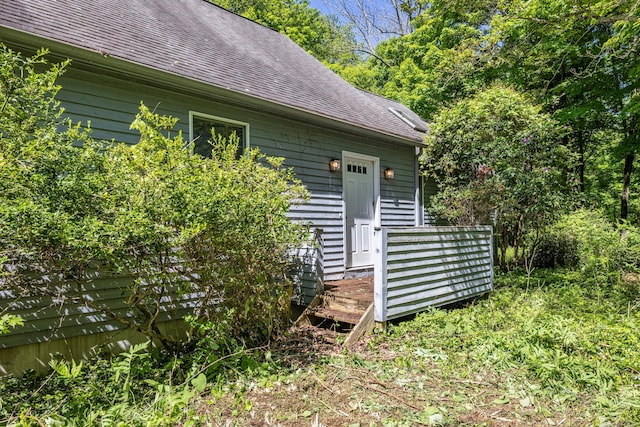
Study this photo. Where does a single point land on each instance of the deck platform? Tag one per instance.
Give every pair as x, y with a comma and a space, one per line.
358, 291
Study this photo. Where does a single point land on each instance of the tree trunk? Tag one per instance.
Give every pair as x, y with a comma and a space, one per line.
626, 181
581, 162
503, 247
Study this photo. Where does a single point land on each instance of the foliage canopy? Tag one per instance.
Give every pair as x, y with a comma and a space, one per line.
322, 36
578, 60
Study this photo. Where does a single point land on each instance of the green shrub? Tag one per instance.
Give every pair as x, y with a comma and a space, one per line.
586, 239
497, 159
556, 250
211, 230
132, 387
7, 321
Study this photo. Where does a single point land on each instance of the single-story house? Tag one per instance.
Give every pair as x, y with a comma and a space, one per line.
356, 152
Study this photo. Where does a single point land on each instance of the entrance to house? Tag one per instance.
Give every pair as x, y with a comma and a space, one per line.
360, 198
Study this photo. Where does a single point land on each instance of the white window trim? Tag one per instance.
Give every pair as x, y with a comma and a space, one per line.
247, 135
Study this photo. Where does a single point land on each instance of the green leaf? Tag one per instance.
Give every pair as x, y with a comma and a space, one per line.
199, 382
526, 402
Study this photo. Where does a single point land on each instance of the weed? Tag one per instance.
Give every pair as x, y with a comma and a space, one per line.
564, 339
564, 351
105, 393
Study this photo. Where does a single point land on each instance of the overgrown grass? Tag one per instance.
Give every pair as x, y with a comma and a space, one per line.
565, 341
140, 387
552, 349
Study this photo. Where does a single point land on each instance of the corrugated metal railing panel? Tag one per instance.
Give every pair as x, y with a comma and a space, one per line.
421, 267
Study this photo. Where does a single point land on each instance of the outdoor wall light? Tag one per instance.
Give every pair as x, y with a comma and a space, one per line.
389, 173
334, 165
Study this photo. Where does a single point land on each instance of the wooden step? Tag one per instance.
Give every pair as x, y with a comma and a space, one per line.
351, 318
316, 314
349, 295
344, 303
321, 337
352, 287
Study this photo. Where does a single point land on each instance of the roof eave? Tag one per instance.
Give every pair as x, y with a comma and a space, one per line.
85, 58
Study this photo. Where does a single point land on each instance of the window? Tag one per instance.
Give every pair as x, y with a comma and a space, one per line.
355, 168
203, 127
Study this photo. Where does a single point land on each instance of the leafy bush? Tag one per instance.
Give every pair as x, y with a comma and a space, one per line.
588, 240
142, 386
497, 159
210, 231
130, 387
219, 228
556, 250
7, 321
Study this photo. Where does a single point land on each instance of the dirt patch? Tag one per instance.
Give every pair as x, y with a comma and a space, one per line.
370, 387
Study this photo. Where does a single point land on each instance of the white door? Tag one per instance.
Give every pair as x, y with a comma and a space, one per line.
359, 196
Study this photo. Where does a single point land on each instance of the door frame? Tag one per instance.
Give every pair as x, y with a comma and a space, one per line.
377, 218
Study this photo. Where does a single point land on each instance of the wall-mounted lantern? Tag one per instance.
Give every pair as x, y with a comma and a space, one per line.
389, 173
334, 165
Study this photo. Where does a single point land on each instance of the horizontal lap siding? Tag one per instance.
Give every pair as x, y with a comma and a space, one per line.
325, 207
434, 266
397, 196
307, 150
309, 161
110, 111
47, 318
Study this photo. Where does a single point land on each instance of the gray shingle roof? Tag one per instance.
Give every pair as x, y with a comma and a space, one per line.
202, 42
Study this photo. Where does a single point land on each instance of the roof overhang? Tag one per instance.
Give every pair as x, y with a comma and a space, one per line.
118, 67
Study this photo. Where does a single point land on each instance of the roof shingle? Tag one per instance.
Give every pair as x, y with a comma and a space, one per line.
203, 42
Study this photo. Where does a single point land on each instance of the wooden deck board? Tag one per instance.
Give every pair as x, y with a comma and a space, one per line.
359, 289
349, 317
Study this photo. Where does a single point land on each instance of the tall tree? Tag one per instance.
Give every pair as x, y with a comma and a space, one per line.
374, 22
581, 59
497, 159
320, 35
577, 58
439, 61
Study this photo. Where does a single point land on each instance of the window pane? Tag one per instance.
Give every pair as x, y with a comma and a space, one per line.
202, 135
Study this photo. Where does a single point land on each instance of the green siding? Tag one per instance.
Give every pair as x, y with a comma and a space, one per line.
306, 148
55, 317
